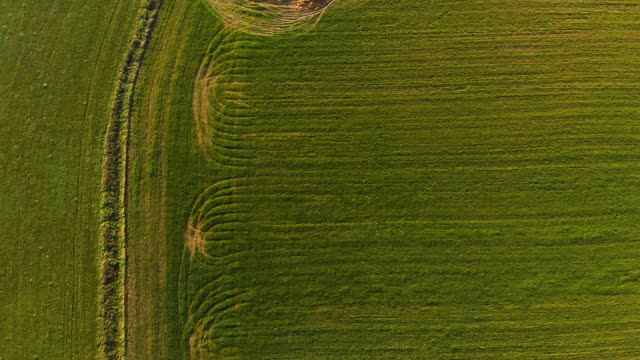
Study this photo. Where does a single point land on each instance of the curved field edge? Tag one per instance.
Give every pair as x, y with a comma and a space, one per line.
111, 328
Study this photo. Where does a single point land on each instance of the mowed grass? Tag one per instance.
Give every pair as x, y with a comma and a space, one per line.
435, 180
58, 65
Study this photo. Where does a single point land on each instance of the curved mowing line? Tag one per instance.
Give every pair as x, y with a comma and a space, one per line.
220, 106
270, 17
211, 214
215, 233
216, 221
111, 306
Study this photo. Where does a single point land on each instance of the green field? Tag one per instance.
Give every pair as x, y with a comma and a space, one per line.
58, 65
354, 180
450, 180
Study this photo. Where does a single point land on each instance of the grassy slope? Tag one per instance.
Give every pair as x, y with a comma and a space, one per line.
50, 156
446, 181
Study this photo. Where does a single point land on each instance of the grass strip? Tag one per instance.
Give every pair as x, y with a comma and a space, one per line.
111, 307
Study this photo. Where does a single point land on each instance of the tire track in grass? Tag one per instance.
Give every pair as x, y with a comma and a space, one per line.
111, 331
215, 236
214, 240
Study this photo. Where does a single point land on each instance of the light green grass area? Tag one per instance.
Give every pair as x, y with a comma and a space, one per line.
445, 179
58, 65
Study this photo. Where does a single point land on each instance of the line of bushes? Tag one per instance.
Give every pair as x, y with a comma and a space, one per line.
111, 331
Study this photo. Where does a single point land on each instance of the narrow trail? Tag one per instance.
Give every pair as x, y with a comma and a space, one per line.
112, 307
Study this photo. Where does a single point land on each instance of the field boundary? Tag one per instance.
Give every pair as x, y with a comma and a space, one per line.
111, 299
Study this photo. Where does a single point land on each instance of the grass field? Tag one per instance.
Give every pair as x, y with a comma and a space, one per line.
353, 179
58, 65
450, 180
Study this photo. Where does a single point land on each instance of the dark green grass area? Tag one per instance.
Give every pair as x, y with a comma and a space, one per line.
435, 180
58, 65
